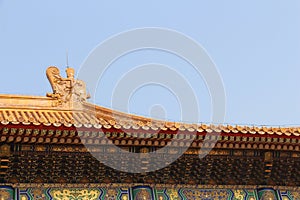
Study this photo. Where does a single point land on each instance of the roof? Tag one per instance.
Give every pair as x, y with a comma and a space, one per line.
35, 110
35, 131
67, 106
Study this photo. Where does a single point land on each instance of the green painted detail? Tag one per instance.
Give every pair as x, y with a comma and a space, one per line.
250, 195
141, 192
160, 194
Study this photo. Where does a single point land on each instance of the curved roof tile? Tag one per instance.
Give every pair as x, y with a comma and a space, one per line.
29, 110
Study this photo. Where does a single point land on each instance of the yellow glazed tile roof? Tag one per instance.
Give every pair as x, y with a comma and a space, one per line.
67, 106
30, 110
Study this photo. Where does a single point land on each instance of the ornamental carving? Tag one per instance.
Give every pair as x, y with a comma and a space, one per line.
66, 89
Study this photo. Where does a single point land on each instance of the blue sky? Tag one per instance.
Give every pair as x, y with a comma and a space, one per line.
254, 44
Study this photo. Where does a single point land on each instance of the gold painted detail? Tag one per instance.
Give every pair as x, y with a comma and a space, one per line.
268, 195
5, 195
75, 194
206, 194
23, 197
38, 193
40, 148
111, 194
5, 150
173, 194
143, 195
295, 195
239, 194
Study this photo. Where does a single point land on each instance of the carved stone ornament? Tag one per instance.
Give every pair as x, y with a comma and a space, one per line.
68, 89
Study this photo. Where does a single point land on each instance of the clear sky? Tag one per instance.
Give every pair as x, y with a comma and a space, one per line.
254, 44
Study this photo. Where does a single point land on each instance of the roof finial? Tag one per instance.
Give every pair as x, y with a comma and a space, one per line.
66, 89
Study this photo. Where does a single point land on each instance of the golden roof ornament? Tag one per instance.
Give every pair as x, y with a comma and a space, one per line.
66, 90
